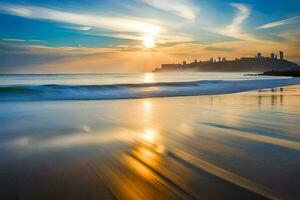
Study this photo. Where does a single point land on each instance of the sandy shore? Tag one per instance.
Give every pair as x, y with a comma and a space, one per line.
236, 146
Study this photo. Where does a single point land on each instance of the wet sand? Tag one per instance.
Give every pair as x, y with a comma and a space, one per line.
237, 146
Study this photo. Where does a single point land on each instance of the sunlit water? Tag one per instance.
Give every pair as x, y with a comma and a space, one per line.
119, 78
130, 86
234, 146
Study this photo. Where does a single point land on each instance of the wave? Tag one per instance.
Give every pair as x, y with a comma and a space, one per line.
139, 90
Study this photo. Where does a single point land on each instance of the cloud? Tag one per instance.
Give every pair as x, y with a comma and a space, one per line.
243, 12
79, 28
235, 29
46, 50
29, 58
18, 40
14, 57
160, 39
115, 26
65, 51
280, 23
13, 40
225, 49
182, 8
119, 24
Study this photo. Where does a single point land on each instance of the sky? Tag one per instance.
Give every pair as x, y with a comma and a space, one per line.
95, 36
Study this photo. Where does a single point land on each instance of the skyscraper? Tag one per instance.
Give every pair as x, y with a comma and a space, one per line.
272, 55
258, 55
281, 55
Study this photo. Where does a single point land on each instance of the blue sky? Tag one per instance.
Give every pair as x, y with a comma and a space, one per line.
96, 35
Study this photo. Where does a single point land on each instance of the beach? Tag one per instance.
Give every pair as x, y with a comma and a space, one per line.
231, 146
149, 100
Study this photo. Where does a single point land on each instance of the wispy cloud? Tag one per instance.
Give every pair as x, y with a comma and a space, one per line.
160, 39
235, 29
280, 23
14, 48
79, 28
182, 8
243, 12
18, 40
12, 40
118, 24
225, 49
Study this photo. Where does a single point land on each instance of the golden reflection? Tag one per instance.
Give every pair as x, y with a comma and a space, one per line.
149, 144
149, 89
139, 167
149, 136
146, 110
148, 77
147, 105
146, 155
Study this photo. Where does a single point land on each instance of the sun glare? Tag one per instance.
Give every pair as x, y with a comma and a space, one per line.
149, 136
149, 43
148, 77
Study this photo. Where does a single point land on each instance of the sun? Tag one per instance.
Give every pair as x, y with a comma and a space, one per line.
149, 43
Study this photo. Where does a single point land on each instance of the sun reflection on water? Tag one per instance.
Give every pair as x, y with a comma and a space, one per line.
149, 136
147, 106
148, 77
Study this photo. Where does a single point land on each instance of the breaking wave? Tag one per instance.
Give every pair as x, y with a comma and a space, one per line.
139, 90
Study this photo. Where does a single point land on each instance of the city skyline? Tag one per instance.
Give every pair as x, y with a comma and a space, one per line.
257, 63
222, 59
136, 36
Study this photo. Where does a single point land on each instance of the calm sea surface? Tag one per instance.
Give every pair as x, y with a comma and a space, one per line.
117, 78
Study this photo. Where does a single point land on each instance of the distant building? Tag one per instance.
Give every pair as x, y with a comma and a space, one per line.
171, 66
281, 55
245, 63
259, 55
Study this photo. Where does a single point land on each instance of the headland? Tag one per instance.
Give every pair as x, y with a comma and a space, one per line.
257, 63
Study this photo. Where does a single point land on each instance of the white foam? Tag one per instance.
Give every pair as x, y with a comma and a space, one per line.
140, 90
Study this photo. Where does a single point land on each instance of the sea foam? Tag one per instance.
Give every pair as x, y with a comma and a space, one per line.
139, 90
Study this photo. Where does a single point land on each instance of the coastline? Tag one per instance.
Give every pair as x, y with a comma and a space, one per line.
281, 73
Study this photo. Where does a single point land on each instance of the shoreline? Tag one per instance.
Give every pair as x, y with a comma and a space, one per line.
281, 73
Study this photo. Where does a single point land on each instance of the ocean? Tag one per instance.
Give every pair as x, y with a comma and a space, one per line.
149, 136
130, 86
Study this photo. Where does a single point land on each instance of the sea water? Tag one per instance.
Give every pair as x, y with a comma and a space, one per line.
233, 146
128, 86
